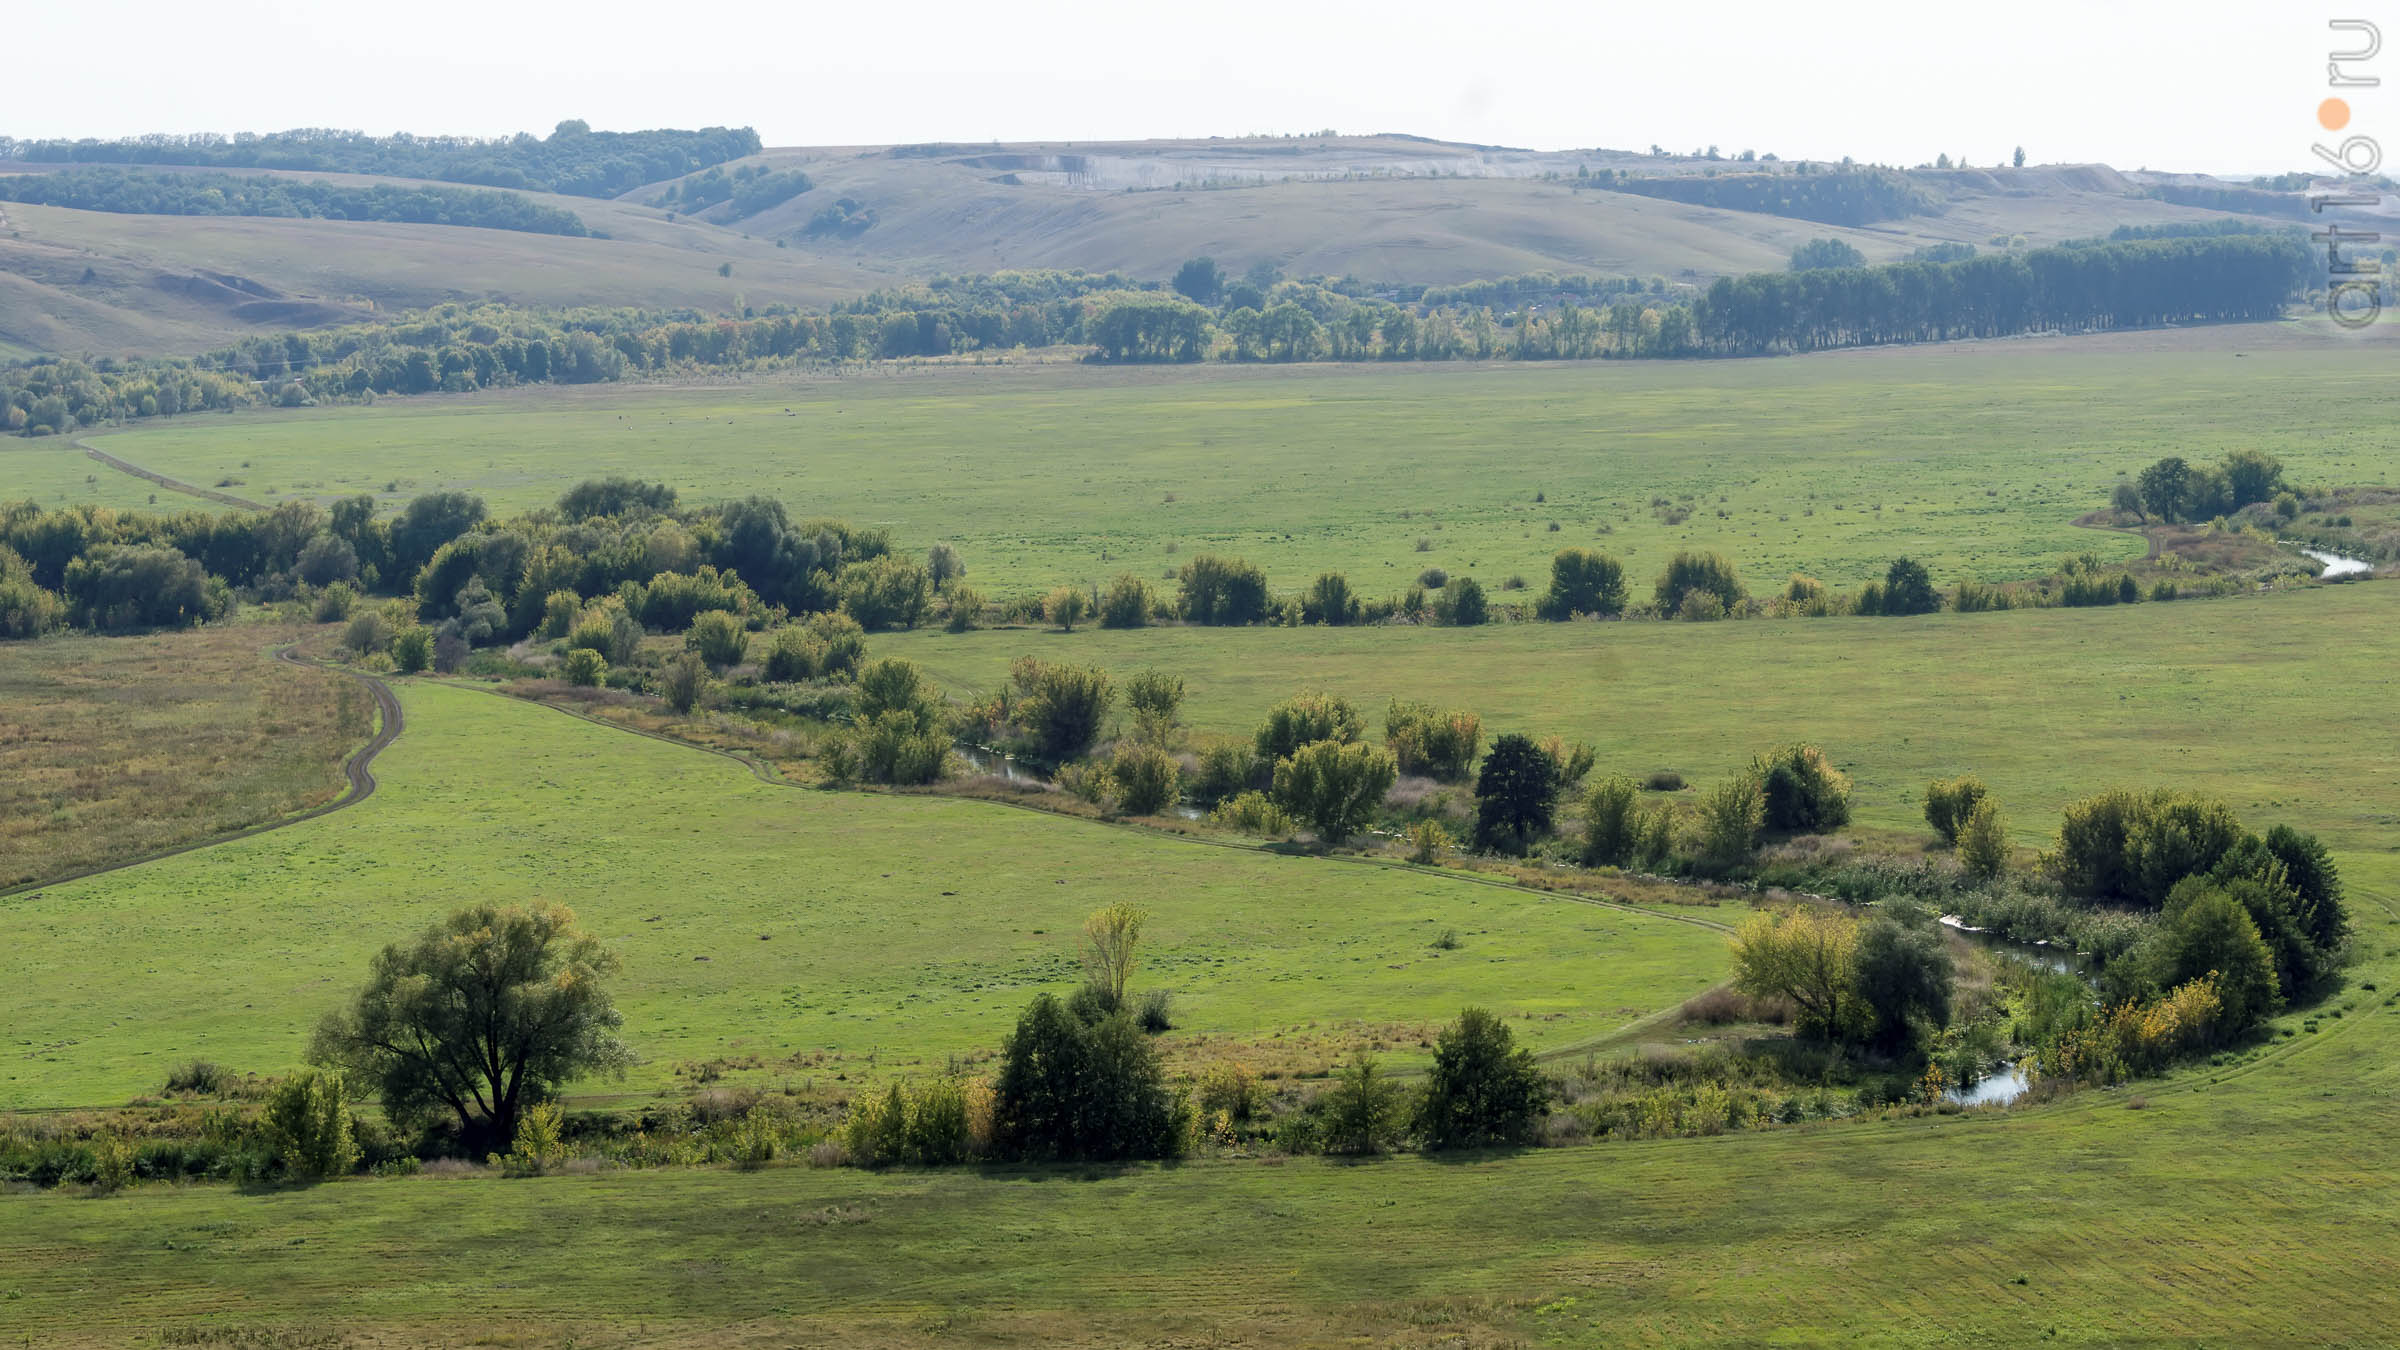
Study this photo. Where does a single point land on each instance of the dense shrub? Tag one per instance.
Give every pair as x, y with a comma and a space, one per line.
1066, 606
1071, 1090
1306, 718
139, 586
1516, 792
1482, 1090
1705, 573
586, 668
1061, 707
1253, 813
1800, 790
1126, 603
1983, 840
1364, 1112
719, 638
886, 592
684, 681
1611, 823
1329, 600
1144, 776
1334, 787
1223, 591
1726, 828
1227, 769
1156, 699
1583, 581
1433, 742
2134, 846
307, 1126
1948, 803
412, 649
1462, 604
1903, 978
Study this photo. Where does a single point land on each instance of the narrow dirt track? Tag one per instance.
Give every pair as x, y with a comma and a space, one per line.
170, 484
358, 768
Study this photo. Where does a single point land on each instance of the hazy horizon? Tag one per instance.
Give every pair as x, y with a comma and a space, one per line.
2212, 86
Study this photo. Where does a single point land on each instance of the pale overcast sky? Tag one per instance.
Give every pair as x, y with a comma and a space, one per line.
2211, 85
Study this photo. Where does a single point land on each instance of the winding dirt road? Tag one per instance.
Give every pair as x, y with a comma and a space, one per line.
358, 768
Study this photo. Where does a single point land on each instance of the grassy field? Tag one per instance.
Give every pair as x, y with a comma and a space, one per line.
1975, 458
111, 748
2241, 1207
2281, 703
55, 473
812, 932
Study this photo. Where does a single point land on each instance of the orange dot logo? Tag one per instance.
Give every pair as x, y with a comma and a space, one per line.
2333, 114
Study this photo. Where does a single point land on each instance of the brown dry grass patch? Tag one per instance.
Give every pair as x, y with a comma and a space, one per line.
116, 747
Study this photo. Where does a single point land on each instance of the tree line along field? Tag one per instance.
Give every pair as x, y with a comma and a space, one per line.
1974, 461
2235, 1207
2276, 702
113, 748
807, 934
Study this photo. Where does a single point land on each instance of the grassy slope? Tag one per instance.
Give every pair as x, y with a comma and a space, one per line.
1979, 455
350, 270
769, 922
937, 216
111, 748
2279, 702
2241, 1208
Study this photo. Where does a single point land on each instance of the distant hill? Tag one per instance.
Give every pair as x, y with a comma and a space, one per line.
847, 220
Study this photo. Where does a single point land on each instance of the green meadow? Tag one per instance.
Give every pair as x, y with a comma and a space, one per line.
2239, 1205
2279, 703
813, 932
54, 473
1975, 460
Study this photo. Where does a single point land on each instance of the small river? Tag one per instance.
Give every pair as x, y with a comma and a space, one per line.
2007, 1082
2338, 566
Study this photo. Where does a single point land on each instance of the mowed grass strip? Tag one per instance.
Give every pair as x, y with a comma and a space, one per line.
2244, 1206
2279, 703
113, 748
1974, 459
884, 933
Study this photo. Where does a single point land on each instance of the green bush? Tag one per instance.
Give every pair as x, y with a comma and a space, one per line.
719, 638
1364, 1112
1800, 790
1156, 699
1074, 1090
1983, 840
1707, 573
1611, 823
586, 668
964, 610
792, 655
684, 682
1462, 604
1126, 603
1145, 778
1307, 718
1482, 1089
1334, 787
1330, 601
1227, 769
1515, 793
412, 649
886, 592
1061, 707
1948, 803
1583, 581
1223, 591
1253, 813
307, 1126
1731, 815
1432, 742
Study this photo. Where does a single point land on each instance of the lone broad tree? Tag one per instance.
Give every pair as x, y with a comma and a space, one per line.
481, 1018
